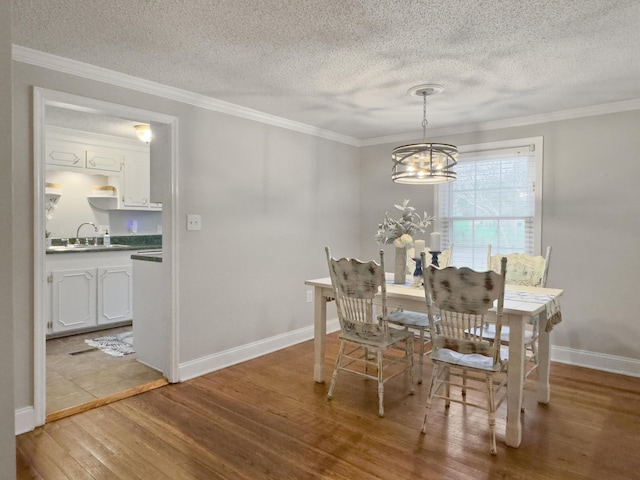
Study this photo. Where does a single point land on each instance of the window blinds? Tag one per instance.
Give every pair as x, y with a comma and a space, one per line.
493, 201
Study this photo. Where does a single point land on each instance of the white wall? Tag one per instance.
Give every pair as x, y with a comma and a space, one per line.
589, 217
7, 312
270, 200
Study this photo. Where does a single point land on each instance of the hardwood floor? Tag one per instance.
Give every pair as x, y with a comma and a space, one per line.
80, 377
267, 419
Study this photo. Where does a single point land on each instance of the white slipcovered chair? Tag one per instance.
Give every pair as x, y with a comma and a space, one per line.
366, 341
527, 270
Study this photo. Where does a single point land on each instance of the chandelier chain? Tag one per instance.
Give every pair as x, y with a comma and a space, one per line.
424, 115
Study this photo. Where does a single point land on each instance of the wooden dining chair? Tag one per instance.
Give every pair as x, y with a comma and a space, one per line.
527, 270
418, 322
458, 301
366, 340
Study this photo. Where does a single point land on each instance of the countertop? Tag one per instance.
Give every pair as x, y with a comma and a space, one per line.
121, 243
148, 256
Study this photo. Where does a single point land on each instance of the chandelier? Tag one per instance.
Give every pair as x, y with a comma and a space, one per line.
426, 162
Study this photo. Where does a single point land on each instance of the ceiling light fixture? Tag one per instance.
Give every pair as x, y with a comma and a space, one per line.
143, 132
424, 163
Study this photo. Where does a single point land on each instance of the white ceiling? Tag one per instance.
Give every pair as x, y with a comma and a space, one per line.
345, 66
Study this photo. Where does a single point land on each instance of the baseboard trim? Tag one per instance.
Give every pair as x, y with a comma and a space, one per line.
233, 356
25, 420
596, 361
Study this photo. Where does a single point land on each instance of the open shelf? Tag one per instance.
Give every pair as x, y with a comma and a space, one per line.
103, 202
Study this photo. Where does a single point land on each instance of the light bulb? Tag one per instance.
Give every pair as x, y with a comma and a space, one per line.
143, 132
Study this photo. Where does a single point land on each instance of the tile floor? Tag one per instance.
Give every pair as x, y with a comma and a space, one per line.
89, 374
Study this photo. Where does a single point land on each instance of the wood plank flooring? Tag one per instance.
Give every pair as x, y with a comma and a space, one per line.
267, 419
80, 377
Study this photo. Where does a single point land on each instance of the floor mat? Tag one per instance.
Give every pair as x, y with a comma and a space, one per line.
116, 345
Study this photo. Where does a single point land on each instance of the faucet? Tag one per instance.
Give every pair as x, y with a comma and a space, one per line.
78, 231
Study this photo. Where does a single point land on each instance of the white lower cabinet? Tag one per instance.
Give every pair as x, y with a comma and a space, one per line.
87, 290
73, 299
115, 300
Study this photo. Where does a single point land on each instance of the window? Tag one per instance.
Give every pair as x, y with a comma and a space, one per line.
495, 200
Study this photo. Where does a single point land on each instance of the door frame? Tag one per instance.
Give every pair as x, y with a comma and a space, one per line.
41, 98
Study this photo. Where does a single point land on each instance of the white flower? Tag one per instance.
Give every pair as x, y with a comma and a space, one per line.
398, 243
406, 239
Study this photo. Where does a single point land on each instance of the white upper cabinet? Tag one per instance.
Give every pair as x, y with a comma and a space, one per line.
126, 163
64, 154
81, 151
136, 184
104, 158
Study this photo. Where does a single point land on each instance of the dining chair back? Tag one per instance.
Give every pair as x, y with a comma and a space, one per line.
444, 259
365, 339
524, 269
458, 304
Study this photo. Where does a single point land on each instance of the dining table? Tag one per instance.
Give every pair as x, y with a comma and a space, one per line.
522, 304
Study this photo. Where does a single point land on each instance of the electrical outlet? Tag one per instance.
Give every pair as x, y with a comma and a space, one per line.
309, 296
194, 222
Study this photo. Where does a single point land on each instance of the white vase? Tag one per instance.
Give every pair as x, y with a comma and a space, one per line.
400, 272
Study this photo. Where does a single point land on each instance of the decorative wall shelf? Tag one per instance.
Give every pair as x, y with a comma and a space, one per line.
103, 202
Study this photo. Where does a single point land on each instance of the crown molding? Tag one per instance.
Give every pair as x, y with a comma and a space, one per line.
590, 111
92, 72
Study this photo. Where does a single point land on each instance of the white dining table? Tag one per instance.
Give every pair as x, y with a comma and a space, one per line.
520, 306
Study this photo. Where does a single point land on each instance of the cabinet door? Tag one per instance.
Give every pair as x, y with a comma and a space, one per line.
115, 299
66, 154
136, 184
73, 299
104, 158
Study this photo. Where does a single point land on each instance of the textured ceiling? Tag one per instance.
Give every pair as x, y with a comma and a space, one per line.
346, 66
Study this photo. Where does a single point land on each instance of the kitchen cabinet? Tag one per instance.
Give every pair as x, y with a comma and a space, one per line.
88, 291
126, 164
105, 159
115, 299
74, 154
73, 299
64, 154
136, 184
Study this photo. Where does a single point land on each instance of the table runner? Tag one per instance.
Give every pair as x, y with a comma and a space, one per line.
551, 302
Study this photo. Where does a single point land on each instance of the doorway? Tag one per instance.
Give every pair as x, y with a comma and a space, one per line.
163, 160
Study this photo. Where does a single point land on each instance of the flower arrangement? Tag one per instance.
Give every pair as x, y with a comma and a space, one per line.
400, 232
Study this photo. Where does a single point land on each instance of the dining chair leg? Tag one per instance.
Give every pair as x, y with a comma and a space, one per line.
447, 378
380, 385
412, 383
335, 370
464, 383
432, 391
421, 358
492, 415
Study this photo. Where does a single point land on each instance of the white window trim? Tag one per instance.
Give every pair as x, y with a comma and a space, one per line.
537, 144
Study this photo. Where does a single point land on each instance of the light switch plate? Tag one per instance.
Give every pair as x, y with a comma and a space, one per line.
194, 222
